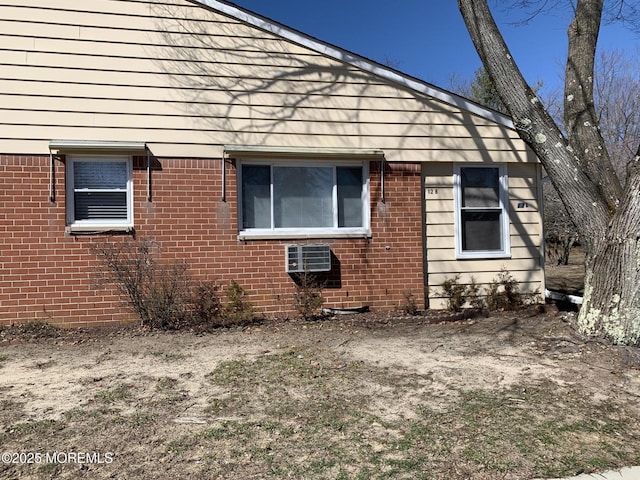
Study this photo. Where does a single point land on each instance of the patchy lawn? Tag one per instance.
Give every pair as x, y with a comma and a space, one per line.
512, 397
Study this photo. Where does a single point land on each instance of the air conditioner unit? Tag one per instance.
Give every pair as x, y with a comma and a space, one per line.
308, 258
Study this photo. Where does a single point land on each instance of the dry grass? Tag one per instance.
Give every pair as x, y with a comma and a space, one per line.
514, 397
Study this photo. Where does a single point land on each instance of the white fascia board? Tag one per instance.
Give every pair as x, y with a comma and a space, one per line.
356, 61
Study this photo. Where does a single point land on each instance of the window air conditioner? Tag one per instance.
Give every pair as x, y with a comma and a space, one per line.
308, 258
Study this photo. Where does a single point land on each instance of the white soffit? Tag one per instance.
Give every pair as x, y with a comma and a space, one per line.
355, 60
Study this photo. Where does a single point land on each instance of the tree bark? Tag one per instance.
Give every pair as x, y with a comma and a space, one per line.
581, 120
607, 218
611, 305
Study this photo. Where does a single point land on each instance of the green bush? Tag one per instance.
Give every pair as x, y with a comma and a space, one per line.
476, 301
455, 293
504, 293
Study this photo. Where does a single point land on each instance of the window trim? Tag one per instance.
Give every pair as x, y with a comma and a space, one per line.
505, 240
309, 232
98, 225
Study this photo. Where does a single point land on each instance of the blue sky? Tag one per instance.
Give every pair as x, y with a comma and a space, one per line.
427, 38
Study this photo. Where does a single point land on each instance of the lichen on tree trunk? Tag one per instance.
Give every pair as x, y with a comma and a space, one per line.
611, 305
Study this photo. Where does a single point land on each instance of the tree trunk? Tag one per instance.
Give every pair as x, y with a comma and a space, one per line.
611, 305
566, 244
607, 218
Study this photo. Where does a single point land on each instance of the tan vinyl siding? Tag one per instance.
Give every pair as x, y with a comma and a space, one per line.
188, 81
525, 233
420, 137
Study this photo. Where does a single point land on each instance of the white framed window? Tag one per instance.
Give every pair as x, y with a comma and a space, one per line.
481, 212
297, 198
99, 192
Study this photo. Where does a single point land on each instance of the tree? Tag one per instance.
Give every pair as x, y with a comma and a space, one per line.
617, 103
579, 165
617, 99
484, 92
560, 233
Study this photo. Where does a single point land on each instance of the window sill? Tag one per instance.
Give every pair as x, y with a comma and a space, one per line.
307, 235
482, 255
97, 229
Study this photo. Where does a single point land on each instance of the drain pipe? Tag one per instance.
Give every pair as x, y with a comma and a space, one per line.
52, 178
382, 192
563, 297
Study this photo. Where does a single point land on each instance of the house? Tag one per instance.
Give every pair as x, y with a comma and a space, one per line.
247, 149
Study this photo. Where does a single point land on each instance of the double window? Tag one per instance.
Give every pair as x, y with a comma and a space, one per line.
99, 192
482, 219
289, 198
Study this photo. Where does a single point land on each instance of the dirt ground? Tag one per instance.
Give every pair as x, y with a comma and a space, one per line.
147, 400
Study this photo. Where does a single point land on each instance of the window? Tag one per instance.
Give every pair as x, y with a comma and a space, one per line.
284, 198
99, 192
482, 219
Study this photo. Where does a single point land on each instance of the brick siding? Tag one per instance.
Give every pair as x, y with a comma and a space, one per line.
51, 275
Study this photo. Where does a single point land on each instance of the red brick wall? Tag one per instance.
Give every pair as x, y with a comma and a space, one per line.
49, 275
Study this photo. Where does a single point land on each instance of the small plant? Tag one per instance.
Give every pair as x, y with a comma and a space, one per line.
206, 303
503, 292
168, 300
166, 384
308, 299
237, 309
455, 293
159, 293
38, 329
410, 305
473, 295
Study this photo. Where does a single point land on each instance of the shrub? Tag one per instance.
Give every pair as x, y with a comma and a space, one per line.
168, 301
503, 292
237, 309
308, 299
455, 293
206, 302
159, 293
163, 294
473, 294
410, 306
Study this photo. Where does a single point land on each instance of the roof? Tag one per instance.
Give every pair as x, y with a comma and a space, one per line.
353, 59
